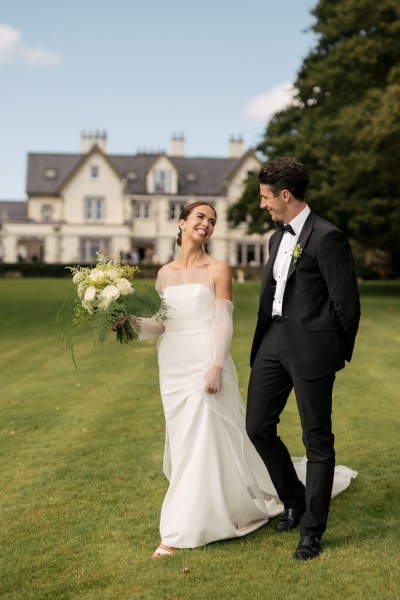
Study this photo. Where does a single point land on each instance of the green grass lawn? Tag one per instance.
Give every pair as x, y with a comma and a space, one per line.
82, 482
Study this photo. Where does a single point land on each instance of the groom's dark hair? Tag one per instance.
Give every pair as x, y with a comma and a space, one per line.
285, 173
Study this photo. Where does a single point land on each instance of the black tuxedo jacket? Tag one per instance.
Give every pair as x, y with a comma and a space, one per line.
321, 306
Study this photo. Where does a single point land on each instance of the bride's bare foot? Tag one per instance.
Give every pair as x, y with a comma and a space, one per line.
163, 550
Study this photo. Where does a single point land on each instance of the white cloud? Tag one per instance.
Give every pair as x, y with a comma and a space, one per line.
262, 107
10, 40
13, 50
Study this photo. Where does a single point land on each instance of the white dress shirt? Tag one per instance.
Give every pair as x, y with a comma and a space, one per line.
284, 258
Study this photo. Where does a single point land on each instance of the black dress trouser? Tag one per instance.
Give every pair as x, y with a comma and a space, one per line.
271, 381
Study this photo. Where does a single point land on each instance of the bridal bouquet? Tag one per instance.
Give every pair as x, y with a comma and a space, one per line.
104, 294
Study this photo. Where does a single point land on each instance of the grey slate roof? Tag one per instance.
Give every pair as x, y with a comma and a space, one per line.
212, 173
196, 176
63, 164
13, 212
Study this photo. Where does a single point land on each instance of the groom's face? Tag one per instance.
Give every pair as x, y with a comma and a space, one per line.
273, 204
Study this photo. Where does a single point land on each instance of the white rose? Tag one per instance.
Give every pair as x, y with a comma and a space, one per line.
90, 293
109, 293
124, 286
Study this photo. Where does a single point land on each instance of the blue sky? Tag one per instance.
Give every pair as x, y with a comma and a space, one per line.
143, 71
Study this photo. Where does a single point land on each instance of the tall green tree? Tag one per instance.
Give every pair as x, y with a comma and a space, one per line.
344, 123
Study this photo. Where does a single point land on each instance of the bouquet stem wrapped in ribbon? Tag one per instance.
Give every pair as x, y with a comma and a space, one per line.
105, 294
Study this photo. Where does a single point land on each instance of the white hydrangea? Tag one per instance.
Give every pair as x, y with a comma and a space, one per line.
124, 286
90, 293
108, 294
97, 275
112, 274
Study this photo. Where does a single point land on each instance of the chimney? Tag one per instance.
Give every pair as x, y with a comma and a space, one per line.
236, 147
178, 145
88, 140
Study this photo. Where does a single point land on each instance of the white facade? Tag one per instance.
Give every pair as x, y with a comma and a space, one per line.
80, 204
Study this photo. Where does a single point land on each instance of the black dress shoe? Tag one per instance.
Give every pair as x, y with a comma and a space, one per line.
291, 517
309, 547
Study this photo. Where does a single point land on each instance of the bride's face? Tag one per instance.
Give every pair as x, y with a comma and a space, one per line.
199, 225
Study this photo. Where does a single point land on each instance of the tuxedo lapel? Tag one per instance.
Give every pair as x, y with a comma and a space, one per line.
302, 240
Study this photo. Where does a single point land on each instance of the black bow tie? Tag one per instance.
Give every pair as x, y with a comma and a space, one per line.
284, 228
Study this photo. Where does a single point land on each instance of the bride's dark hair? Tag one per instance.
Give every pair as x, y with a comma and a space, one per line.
186, 210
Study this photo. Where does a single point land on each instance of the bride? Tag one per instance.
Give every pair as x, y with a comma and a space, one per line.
219, 487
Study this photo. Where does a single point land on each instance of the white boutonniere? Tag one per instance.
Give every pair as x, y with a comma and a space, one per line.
297, 252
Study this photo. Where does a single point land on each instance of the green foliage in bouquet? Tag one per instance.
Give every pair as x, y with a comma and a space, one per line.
105, 294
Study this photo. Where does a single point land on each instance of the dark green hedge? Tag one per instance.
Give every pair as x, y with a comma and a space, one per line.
60, 270
150, 271
55, 270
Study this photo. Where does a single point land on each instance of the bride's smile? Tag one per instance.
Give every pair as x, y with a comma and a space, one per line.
199, 224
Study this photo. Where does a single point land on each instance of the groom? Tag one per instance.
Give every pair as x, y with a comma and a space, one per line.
307, 323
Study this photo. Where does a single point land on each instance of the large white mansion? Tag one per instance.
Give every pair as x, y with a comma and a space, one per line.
79, 204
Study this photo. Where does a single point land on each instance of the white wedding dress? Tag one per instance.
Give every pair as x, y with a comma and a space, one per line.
219, 487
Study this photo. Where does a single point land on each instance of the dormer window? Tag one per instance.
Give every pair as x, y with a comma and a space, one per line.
94, 171
162, 181
50, 173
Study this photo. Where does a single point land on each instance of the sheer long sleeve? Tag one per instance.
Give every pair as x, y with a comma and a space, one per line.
147, 328
222, 330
